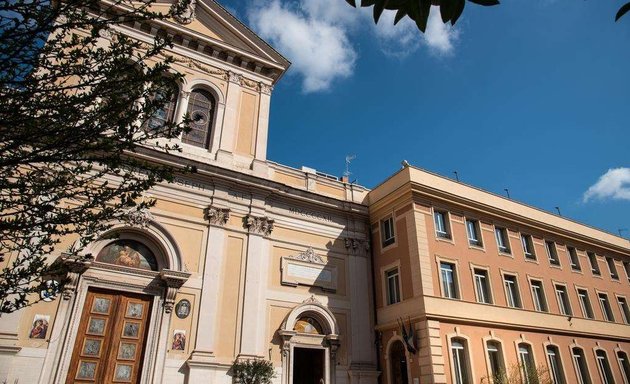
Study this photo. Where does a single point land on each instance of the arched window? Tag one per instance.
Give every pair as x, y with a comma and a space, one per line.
604, 367
555, 364
201, 106
495, 358
461, 365
128, 253
166, 110
398, 363
624, 364
579, 360
527, 364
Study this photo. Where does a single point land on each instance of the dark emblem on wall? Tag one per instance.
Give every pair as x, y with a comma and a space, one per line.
182, 309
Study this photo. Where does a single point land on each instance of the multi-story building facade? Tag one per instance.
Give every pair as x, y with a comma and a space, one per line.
487, 285
247, 258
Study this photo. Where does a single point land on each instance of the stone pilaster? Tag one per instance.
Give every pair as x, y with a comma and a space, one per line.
230, 120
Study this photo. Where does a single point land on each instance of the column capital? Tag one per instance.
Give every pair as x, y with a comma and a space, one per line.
258, 225
173, 280
216, 216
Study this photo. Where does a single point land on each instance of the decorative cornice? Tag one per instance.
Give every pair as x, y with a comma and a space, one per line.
173, 280
309, 256
249, 83
234, 77
216, 216
258, 225
75, 266
264, 88
192, 63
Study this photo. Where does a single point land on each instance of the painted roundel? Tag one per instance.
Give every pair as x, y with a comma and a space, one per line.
128, 253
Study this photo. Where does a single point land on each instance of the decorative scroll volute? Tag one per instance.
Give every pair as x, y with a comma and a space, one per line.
258, 225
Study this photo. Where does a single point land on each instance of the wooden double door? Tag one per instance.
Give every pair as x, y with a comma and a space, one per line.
110, 343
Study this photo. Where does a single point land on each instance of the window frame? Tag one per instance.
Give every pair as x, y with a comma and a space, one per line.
397, 281
574, 259
501, 356
579, 373
612, 268
527, 241
585, 307
592, 259
544, 304
604, 376
624, 309
558, 363
447, 233
488, 285
476, 226
552, 254
384, 223
519, 301
502, 237
455, 277
564, 290
607, 312
213, 116
467, 359
525, 362
624, 368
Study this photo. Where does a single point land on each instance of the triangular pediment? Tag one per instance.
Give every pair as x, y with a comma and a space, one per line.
217, 24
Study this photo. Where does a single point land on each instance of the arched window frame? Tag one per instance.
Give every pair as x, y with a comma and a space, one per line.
494, 339
390, 343
624, 376
576, 369
469, 363
602, 374
563, 371
517, 345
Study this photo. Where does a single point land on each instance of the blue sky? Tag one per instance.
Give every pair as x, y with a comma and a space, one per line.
532, 96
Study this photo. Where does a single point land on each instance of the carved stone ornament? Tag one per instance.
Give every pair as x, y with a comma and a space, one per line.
192, 63
351, 243
186, 10
173, 280
266, 89
259, 225
216, 216
309, 256
75, 266
234, 77
139, 218
312, 300
249, 83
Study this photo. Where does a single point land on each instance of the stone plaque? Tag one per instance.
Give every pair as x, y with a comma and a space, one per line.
309, 269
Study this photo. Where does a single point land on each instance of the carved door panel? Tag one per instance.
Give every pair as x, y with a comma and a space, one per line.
109, 347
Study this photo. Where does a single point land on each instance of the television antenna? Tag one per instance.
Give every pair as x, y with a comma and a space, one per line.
349, 158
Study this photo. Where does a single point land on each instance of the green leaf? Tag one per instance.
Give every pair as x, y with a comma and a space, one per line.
622, 11
352, 2
485, 2
459, 8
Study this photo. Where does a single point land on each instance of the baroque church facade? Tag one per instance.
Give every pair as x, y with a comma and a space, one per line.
420, 280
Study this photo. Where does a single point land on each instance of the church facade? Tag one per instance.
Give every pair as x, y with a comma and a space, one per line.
331, 282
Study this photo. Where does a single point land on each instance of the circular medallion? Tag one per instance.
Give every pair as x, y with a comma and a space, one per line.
49, 291
182, 309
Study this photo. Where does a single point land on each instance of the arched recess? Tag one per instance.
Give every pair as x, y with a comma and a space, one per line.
321, 341
87, 279
397, 373
216, 128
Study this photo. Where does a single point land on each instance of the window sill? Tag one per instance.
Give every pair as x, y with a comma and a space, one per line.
534, 261
476, 247
444, 239
506, 254
578, 271
555, 266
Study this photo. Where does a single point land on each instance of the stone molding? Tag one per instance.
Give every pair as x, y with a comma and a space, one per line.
309, 256
173, 280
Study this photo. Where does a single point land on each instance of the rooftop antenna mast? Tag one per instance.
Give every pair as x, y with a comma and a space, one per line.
347, 172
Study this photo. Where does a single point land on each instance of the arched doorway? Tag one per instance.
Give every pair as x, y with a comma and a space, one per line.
115, 311
398, 363
310, 341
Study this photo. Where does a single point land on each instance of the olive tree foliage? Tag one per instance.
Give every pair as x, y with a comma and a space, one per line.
75, 99
253, 371
520, 374
418, 10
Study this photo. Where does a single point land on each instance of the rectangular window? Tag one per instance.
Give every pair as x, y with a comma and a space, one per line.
482, 286
555, 365
604, 367
449, 283
580, 366
585, 303
626, 266
552, 253
474, 232
387, 231
605, 306
574, 259
393, 286
592, 258
625, 311
528, 247
503, 242
563, 300
441, 224
511, 291
538, 296
612, 268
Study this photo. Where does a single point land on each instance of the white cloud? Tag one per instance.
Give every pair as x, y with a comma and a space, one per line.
614, 184
317, 36
319, 49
